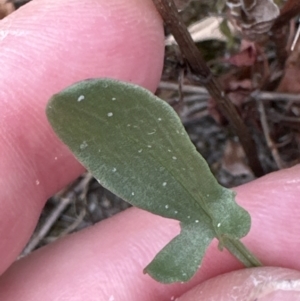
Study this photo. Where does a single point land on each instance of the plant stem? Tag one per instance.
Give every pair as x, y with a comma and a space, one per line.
280, 30
239, 250
203, 75
290, 10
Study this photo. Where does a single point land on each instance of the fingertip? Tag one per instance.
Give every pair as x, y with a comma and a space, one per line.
264, 284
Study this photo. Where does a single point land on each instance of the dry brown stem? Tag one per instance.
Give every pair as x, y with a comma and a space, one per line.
203, 75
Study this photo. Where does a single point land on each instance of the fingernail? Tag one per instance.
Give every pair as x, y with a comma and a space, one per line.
278, 290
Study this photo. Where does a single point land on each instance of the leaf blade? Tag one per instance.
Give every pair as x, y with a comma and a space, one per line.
137, 147
184, 254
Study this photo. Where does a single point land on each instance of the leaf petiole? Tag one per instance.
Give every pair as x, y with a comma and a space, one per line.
239, 250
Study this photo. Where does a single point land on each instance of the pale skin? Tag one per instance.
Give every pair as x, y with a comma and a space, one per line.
46, 46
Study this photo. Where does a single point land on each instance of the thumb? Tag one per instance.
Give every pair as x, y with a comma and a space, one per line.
263, 284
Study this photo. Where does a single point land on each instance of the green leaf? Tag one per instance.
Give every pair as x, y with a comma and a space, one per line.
136, 146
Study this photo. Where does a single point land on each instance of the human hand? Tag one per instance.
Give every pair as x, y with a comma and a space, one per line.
46, 46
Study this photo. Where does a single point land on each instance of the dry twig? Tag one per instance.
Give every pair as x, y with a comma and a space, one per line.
272, 146
64, 202
203, 75
261, 95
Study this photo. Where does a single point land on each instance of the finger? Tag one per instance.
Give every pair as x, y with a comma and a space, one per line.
46, 46
103, 262
107, 259
262, 284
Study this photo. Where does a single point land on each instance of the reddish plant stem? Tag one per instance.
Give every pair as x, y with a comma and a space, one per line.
290, 10
203, 75
280, 29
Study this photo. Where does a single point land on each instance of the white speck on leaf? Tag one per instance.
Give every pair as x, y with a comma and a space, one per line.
189, 216
151, 133
114, 169
149, 146
128, 124
80, 98
132, 193
167, 206
174, 158
159, 119
110, 114
196, 221
169, 150
164, 183
219, 225
113, 99
175, 212
83, 145
140, 150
